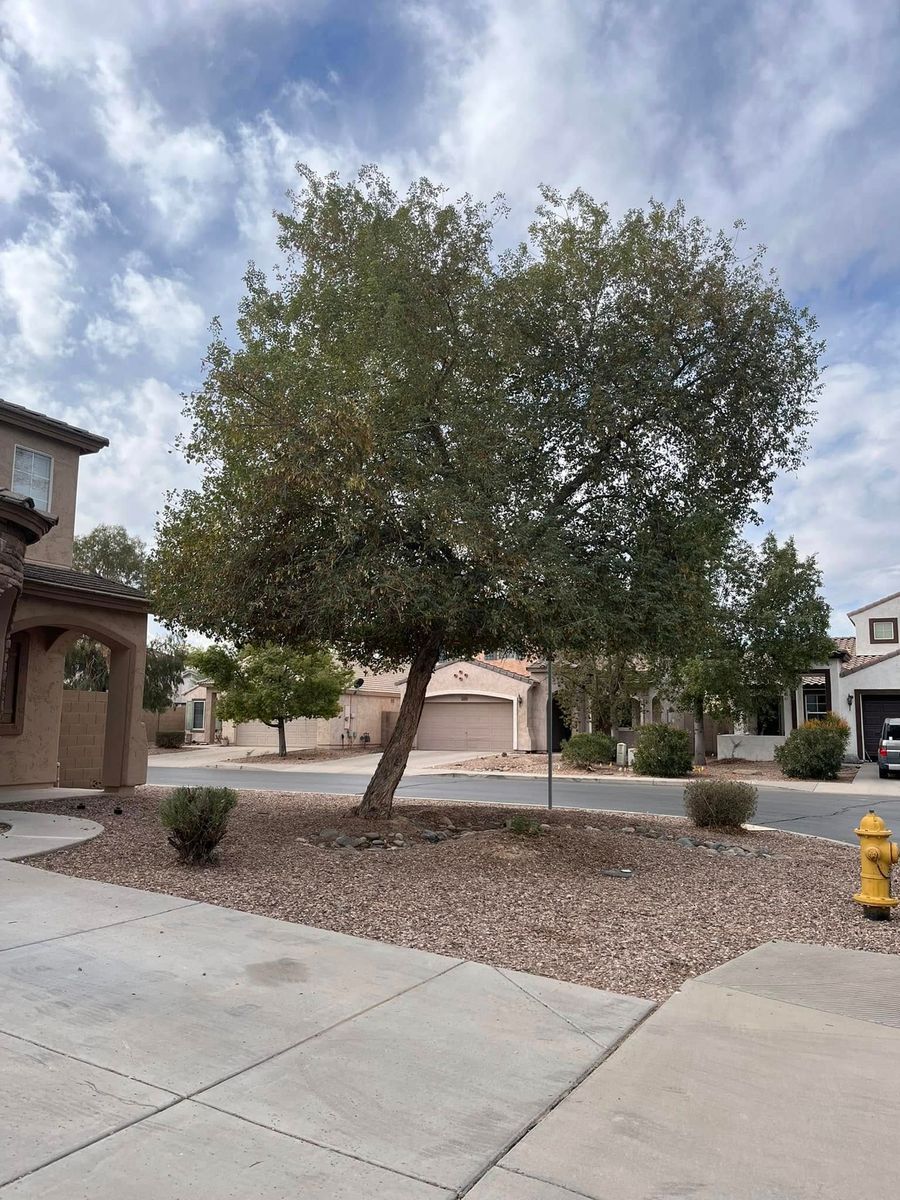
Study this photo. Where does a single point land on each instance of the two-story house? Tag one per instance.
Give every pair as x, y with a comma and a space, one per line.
860, 682
45, 605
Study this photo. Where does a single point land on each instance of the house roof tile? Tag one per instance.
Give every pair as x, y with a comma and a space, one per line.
65, 577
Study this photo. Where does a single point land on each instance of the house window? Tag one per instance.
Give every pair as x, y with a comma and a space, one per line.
883, 629
33, 476
769, 718
815, 705
198, 714
12, 686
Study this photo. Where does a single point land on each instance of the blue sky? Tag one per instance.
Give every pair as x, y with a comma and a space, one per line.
143, 146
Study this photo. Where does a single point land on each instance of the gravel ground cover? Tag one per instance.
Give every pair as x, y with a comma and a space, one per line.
726, 768
535, 903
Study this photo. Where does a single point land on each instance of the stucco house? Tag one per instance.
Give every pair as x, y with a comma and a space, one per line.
860, 682
45, 605
368, 710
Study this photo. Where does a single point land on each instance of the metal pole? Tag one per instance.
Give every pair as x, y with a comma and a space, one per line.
549, 731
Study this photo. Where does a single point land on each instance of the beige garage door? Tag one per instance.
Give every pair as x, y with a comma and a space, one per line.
299, 734
472, 724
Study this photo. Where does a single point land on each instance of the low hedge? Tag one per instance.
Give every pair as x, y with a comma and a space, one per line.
663, 750
170, 739
815, 750
589, 749
720, 803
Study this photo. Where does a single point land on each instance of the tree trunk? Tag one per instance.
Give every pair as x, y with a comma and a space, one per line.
379, 795
282, 741
699, 734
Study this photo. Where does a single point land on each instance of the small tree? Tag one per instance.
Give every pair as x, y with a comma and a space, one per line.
273, 684
166, 662
599, 686
758, 622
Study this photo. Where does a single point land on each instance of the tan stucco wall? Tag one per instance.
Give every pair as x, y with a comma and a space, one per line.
56, 546
363, 717
169, 721
82, 731
32, 756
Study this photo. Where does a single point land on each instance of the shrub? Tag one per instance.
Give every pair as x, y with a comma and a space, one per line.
815, 750
589, 749
663, 750
523, 826
719, 803
197, 820
170, 739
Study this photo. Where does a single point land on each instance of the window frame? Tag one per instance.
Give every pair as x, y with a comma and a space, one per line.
14, 727
888, 641
195, 728
43, 454
817, 692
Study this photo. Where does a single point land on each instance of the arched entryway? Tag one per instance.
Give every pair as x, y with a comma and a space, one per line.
45, 638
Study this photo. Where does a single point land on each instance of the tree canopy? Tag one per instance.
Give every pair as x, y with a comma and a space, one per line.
273, 684
422, 445
761, 623
111, 551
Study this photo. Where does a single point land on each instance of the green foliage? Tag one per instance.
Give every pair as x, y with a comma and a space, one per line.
422, 444
589, 749
523, 826
757, 622
662, 750
599, 685
110, 551
815, 750
720, 803
197, 820
272, 684
87, 669
170, 739
164, 671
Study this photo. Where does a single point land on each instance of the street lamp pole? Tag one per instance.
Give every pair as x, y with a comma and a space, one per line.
549, 731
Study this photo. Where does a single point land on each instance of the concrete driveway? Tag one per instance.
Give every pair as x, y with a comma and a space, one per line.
159, 1049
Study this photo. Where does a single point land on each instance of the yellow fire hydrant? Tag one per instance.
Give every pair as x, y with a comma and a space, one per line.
877, 854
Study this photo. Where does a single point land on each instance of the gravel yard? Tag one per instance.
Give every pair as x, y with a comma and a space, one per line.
538, 903
727, 768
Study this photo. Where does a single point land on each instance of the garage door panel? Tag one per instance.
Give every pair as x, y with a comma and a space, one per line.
299, 734
875, 710
466, 725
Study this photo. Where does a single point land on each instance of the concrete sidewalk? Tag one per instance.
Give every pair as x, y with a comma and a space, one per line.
240, 758
770, 1078
159, 1049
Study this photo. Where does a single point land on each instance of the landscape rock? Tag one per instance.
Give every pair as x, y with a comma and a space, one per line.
329, 835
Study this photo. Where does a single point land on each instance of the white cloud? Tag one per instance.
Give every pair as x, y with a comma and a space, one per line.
183, 172
126, 483
17, 176
158, 313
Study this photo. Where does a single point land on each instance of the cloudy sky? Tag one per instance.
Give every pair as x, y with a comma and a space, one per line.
143, 146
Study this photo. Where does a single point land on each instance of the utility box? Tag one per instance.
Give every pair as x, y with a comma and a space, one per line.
631, 756
621, 754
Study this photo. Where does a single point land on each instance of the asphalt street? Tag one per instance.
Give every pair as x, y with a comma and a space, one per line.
817, 813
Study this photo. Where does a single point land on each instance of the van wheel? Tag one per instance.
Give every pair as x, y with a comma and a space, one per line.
883, 773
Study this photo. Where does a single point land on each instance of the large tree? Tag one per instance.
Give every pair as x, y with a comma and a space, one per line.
759, 622
273, 684
423, 446
111, 551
